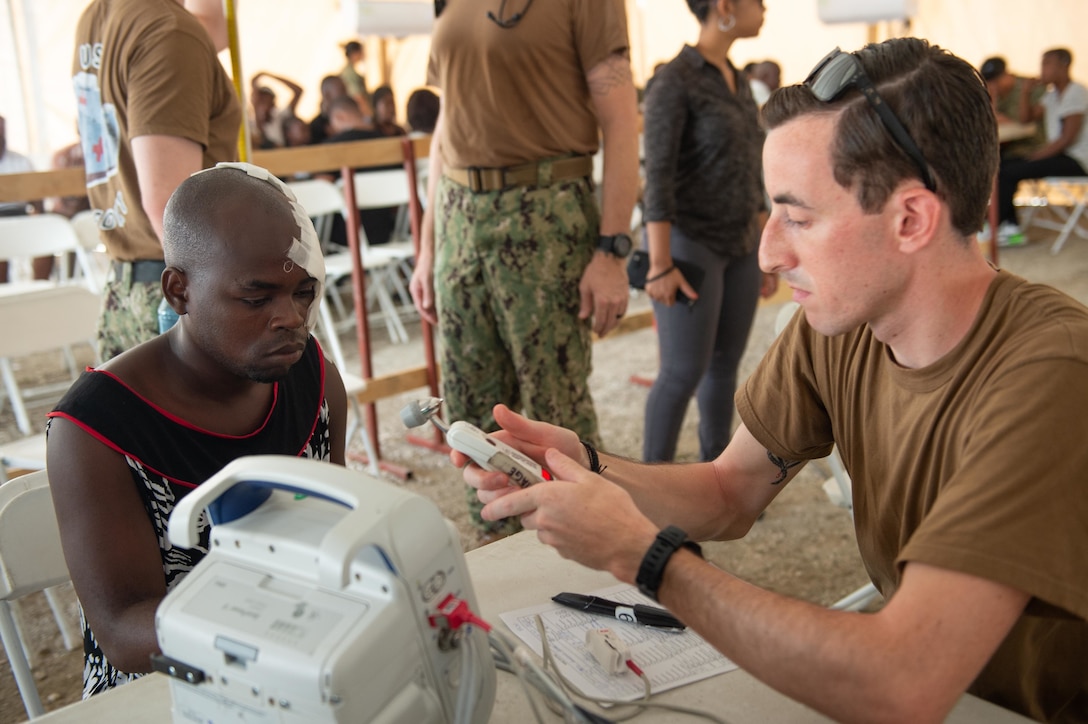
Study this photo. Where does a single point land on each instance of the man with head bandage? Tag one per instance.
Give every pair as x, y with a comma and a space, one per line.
239, 374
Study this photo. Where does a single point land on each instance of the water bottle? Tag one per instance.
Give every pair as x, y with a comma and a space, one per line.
167, 316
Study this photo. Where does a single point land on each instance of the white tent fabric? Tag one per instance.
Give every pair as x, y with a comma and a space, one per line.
300, 39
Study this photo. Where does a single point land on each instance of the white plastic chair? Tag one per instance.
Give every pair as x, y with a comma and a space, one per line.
838, 487
24, 237
31, 560
387, 264
322, 200
42, 320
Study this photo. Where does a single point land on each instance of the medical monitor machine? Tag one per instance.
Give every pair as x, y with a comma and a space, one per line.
321, 600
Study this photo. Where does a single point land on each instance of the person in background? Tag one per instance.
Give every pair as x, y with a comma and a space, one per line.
354, 81
296, 132
955, 393
1062, 112
14, 162
346, 123
266, 125
155, 106
332, 88
385, 113
1006, 91
422, 110
769, 73
239, 374
517, 263
703, 142
759, 89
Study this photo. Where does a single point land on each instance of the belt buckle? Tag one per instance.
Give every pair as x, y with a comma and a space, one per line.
475, 179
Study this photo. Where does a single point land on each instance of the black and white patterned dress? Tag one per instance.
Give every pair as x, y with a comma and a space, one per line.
169, 457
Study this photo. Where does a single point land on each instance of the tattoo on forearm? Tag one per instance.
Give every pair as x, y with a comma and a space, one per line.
783, 466
609, 74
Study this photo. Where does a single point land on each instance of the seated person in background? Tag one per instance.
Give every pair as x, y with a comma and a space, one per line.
266, 125
769, 73
760, 91
239, 374
296, 132
13, 162
954, 391
332, 87
422, 110
1062, 113
385, 112
1007, 91
347, 123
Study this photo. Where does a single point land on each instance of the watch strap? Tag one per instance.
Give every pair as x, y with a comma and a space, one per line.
652, 569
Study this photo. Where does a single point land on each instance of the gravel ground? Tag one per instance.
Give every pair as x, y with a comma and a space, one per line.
803, 547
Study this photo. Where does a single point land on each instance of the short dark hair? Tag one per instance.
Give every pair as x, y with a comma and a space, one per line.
346, 104
192, 222
379, 93
422, 110
993, 68
700, 8
352, 47
943, 103
1062, 55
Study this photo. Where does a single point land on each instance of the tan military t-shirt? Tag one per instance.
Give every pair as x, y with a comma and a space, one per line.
516, 95
145, 68
976, 464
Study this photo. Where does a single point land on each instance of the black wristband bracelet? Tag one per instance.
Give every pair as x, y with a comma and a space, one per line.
594, 459
662, 275
652, 568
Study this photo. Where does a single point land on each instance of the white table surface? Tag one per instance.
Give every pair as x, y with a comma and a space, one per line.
516, 573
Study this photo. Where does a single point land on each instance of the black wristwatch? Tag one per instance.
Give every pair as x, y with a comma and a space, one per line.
652, 569
618, 245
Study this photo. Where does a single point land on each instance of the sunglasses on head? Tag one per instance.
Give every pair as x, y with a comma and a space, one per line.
837, 73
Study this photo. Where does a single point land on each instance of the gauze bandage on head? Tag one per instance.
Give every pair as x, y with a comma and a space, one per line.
305, 251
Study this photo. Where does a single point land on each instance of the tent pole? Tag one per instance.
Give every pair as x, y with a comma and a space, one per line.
244, 143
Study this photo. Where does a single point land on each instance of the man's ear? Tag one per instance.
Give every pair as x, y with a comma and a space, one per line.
175, 287
918, 218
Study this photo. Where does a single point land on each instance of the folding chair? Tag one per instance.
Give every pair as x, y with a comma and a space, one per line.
31, 560
42, 320
388, 264
24, 237
1066, 196
322, 201
838, 487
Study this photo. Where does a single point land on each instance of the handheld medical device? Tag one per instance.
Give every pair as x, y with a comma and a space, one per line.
486, 451
321, 600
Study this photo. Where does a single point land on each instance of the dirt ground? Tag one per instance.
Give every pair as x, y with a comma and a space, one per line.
803, 547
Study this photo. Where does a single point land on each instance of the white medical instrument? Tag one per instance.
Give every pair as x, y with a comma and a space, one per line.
323, 598
485, 450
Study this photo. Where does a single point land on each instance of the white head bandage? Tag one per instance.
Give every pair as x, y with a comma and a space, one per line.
305, 251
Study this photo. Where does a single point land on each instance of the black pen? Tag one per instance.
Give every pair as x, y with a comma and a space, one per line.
631, 613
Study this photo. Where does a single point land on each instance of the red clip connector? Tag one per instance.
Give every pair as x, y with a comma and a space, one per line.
455, 613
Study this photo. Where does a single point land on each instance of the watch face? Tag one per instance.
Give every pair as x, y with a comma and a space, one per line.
617, 244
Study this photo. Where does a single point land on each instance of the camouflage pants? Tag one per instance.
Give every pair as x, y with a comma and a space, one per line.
129, 314
507, 269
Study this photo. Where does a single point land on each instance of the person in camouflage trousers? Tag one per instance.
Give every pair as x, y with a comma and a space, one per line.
517, 264
508, 308
128, 314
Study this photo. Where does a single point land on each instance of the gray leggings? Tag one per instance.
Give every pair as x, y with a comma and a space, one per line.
700, 351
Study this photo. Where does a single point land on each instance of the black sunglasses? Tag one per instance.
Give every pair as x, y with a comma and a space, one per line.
837, 73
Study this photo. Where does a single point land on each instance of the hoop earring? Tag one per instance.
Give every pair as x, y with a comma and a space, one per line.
726, 28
